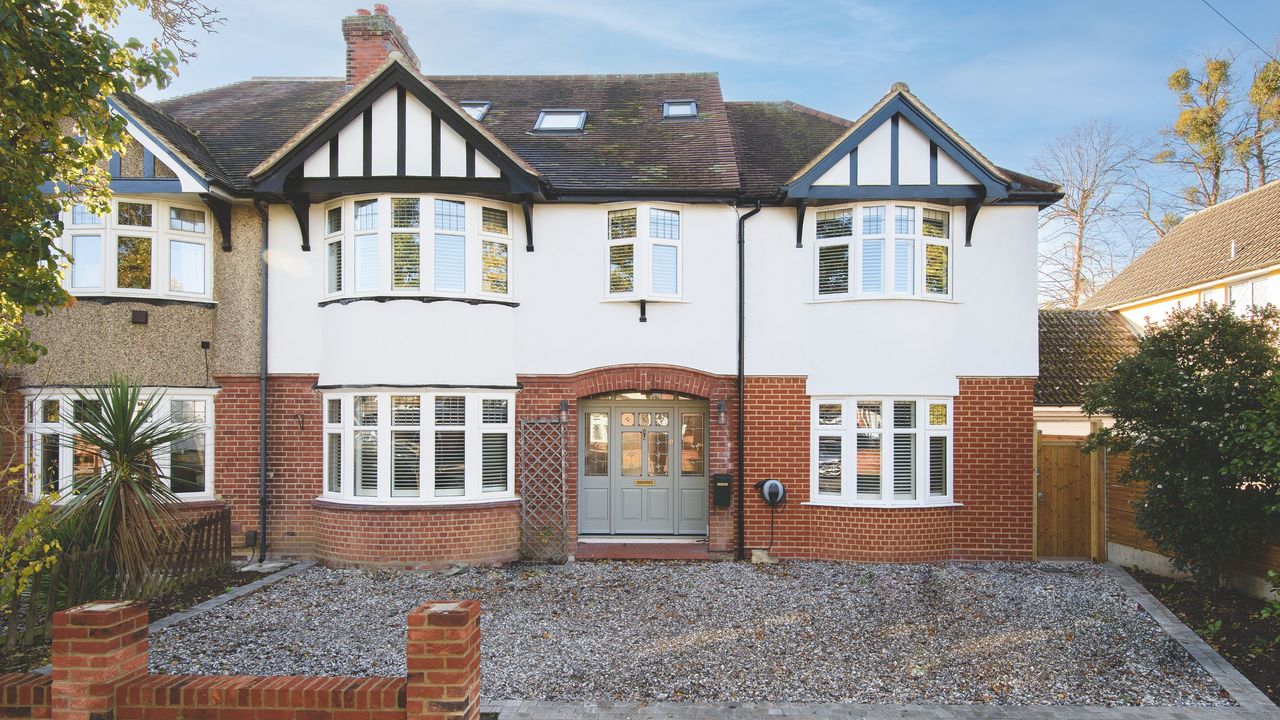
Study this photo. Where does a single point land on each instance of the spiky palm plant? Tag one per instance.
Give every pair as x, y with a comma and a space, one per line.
126, 507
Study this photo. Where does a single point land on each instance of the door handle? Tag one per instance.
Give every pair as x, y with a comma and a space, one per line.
1040, 495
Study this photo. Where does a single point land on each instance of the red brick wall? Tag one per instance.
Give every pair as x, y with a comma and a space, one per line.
541, 396
235, 457
417, 536
993, 431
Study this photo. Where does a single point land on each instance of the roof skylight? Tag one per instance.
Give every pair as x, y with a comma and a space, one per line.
561, 121
476, 108
679, 109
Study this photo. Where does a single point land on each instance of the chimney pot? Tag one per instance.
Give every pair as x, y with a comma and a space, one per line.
380, 9
362, 12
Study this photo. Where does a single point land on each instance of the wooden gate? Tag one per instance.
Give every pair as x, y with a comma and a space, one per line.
1068, 503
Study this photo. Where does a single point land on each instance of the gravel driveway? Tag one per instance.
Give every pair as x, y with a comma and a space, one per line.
725, 632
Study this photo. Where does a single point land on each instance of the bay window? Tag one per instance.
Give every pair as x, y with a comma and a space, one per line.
143, 248
643, 258
58, 461
403, 446
881, 451
417, 245
883, 251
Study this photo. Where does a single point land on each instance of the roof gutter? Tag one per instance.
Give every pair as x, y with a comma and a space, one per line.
262, 385
742, 376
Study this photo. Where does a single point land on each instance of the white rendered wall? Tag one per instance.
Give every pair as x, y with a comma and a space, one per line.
913, 155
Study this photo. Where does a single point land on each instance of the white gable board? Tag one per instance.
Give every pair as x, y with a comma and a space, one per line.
913, 155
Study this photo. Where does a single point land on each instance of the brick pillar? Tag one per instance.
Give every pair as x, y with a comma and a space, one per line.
96, 648
443, 660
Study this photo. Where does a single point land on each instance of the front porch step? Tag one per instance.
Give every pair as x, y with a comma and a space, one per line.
642, 551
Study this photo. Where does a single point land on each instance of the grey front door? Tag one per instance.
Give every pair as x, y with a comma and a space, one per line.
643, 469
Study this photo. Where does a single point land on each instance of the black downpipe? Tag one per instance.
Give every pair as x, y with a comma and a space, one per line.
262, 389
742, 375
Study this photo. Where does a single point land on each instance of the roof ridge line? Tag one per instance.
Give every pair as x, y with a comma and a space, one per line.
703, 74
1198, 213
817, 113
195, 134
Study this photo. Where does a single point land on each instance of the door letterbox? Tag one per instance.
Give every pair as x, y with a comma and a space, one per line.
722, 490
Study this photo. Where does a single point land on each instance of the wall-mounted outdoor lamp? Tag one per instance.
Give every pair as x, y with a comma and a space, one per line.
564, 411
721, 415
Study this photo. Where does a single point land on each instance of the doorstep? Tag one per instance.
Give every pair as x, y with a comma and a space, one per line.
642, 547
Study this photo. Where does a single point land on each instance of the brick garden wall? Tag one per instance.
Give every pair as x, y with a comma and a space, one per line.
100, 672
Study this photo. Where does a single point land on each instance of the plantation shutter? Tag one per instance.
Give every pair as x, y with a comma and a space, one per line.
833, 269
450, 446
904, 266
451, 263
335, 266
366, 462
406, 445
406, 259
873, 266
938, 465
366, 263
830, 465
666, 261
622, 269
333, 463
494, 462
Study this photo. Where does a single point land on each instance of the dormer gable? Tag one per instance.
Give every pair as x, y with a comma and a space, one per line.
393, 132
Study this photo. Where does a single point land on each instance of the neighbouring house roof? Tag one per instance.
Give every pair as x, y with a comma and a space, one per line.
1199, 249
178, 137
1077, 349
730, 148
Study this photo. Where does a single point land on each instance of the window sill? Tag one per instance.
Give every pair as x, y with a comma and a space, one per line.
102, 299
883, 505
406, 504
418, 298
882, 298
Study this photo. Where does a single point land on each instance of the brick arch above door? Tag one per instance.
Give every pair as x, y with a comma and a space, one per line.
642, 378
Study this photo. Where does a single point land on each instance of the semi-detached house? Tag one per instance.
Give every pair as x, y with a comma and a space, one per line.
450, 288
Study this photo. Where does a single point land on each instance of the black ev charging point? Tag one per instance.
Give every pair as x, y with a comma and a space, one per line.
774, 494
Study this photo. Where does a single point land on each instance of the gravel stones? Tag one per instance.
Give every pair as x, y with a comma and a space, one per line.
1007, 633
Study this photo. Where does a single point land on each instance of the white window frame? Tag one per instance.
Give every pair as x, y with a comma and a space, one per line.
848, 431
473, 427
32, 400
473, 246
642, 254
108, 231
856, 289
581, 123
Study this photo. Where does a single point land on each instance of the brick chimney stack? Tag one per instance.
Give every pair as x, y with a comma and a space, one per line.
371, 38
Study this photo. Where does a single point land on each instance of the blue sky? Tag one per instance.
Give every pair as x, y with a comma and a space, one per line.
1008, 76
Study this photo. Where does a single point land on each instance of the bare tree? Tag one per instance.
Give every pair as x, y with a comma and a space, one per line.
1081, 244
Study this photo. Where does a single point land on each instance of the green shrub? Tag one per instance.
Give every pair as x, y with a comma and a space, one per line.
1198, 410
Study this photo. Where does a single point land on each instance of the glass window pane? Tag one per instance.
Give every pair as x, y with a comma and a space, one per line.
451, 263
835, 223
333, 220
666, 278
406, 213
873, 220
622, 224
451, 215
873, 266
869, 414
833, 269
937, 465
632, 441
493, 411
335, 411
493, 221
627, 419
86, 461
366, 263
493, 472
406, 410
937, 269
561, 120
661, 419
904, 467
406, 264
85, 410
451, 463
659, 453
693, 444
51, 472
366, 214
134, 214
904, 414
86, 261
49, 411
406, 447
366, 462
335, 266
133, 262
186, 220
830, 465
644, 419
868, 466
664, 224
597, 460
187, 411
622, 269
186, 266
937, 414
365, 410
1261, 292
904, 266
187, 465
451, 410
333, 463
937, 223
493, 267
905, 221
830, 414
82, 215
